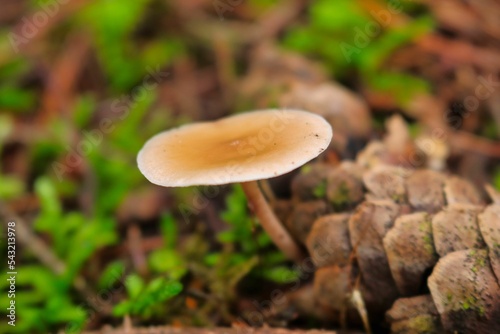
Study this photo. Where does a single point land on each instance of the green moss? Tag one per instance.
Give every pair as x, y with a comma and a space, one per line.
469, 303
320, 190
425, 227
428, 243
422, 324
341, 196
306, 169
397, 198
480, 261
472, 304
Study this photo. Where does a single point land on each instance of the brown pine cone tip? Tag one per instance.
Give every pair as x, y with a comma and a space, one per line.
425, 245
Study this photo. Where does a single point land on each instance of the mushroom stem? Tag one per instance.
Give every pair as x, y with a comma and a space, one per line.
270, 222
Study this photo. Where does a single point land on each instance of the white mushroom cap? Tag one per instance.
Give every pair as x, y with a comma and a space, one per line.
245, 147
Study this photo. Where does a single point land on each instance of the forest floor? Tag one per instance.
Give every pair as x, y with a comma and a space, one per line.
83, 85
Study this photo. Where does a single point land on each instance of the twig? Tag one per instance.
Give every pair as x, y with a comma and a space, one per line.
464, 141
458, 52
185, 93
274, 21
62, 79
134, 242
224, 56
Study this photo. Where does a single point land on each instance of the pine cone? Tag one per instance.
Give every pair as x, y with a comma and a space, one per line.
420, 243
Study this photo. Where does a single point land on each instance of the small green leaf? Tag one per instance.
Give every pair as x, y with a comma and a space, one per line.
134, 285
16, 99
211, 259
163, 288
320, 190
157, 291
391, 83
49, 202
168, 261
236, 273
10, 187
168, 227
496, 181
112, 274
122, 308
83, 111
282, 275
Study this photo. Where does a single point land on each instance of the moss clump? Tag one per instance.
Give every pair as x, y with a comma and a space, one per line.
320, 190
306, 169
341, 197
398, 198
424, 323
466, 305
426, 228
471, 303
428, 243
480, 261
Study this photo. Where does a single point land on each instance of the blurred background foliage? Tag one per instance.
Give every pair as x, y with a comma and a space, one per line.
124, 245
364, 43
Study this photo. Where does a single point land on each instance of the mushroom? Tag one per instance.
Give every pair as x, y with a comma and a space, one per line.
242, 148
